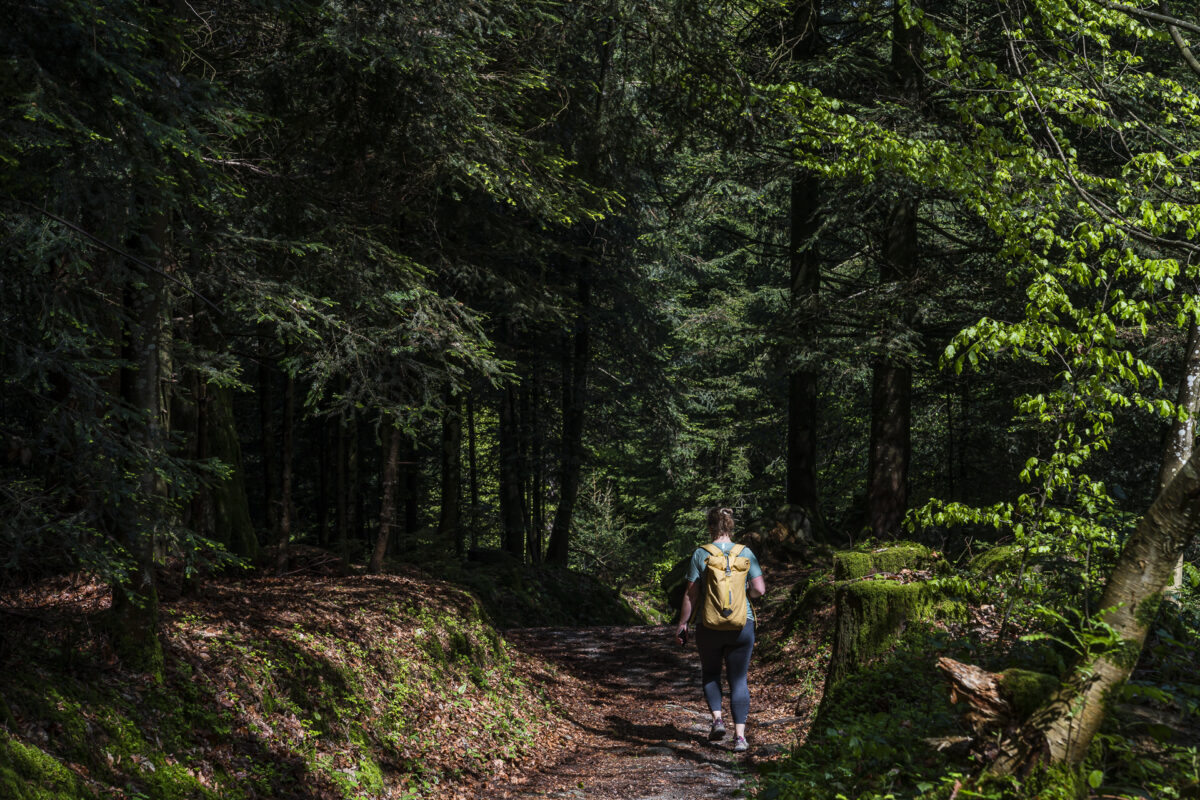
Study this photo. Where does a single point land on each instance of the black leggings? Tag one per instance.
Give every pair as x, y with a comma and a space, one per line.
734, 648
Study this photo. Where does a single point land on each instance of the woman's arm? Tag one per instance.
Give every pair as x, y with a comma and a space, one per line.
689, 604
757, 587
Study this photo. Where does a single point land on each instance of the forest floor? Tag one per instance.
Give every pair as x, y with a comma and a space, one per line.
318, 687
633, 724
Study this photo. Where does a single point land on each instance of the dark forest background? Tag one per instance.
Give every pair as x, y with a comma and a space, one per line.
410, 280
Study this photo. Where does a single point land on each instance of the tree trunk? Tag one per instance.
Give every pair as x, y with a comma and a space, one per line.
803, 254
354, 493
412, 499
323, 463
284, 538
1062, 729
266, 421
574, 405
472, 466
387, 503
135, 606
342, 489
512, 514
529, 456
230, 508
890, 447
537, 481
197, 422
1182, 436
802, 384
450, 520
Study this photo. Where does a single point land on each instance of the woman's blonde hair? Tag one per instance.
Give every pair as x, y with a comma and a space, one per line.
720, 521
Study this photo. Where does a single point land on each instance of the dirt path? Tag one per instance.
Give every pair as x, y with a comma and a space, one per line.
637, 726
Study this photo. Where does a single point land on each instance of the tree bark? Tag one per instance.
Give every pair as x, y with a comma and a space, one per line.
323, 463
802, 384
1182, 436
473, 469
354, 493
387, 503
887, 488
412, 488
450, 520
1063, 728
512, 512
342, 489
266, 421
230, 508
135, 606
891, 391
890, 447
574, 407
803, 254
283, 540
537, 478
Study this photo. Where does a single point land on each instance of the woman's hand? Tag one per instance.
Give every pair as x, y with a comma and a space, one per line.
681, 633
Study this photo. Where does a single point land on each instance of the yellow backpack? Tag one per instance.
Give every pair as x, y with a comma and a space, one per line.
725, 578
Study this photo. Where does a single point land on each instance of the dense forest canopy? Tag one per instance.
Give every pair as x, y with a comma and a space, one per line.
552, 278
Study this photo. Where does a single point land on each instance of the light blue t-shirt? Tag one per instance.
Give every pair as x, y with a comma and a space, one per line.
697, 566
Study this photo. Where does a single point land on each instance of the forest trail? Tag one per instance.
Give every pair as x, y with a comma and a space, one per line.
637, 724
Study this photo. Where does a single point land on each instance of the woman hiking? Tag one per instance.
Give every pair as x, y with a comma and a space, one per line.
716, 641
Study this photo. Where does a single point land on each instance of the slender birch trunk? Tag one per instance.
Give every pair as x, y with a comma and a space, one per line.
1182, 437
1063, 728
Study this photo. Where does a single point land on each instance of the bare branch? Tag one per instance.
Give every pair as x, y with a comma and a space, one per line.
1152, 16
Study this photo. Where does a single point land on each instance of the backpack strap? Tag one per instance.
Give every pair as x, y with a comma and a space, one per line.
712, 550
737, 550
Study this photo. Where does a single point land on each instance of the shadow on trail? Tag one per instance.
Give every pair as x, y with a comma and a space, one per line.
636, 699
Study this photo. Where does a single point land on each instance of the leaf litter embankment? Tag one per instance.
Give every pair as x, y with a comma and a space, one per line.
313, 688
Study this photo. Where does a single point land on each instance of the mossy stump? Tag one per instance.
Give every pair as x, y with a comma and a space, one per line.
870, 613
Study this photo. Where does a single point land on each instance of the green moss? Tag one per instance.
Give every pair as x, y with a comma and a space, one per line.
869, 614
851, 564
172, 782
950, 610
1026, 690
997, 560
1126, 654
1058, 782
29, 773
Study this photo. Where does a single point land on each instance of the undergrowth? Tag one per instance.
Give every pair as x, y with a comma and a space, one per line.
888, 731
